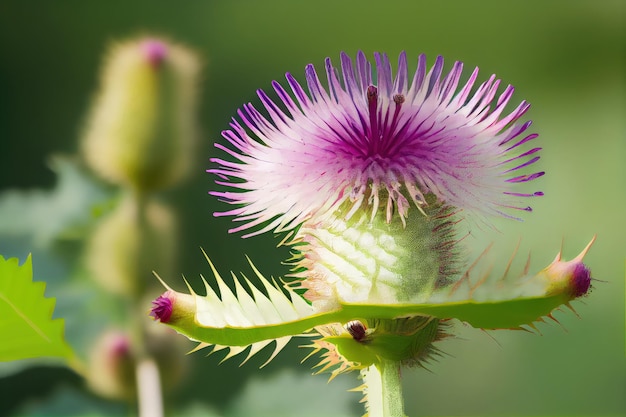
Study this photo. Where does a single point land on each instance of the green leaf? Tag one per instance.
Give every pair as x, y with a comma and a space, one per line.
245, 317
65, 211
26, 323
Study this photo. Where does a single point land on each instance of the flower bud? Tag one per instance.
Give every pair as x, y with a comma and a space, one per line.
571, 278
123, 250
111, 371
142, 125
173, 307
112, 362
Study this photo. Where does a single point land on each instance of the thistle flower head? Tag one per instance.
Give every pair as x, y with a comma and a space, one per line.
375, 141
371, 175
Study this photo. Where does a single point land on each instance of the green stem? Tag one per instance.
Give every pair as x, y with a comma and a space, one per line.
384, 389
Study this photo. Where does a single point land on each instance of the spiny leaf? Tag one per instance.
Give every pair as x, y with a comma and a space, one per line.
238, 319
246, 308
26, 316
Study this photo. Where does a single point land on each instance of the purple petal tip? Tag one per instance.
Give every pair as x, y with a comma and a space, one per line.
162, 308
581, 280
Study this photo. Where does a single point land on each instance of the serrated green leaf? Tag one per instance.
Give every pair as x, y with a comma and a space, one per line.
237, 319
26, 316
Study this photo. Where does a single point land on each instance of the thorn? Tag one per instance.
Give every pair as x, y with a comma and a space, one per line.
527, 266
480, 281
532, 329
205, 255
254, 349
550, 316
508, 265
557, 322
532, 326
234, 351
280, 345
423, 366
200, 346
216, 348
216, 274
358, 389
492, 337
333, 375
582, 254
520, 328
465, 276
191, 291
167, 287
310, 354
568, 305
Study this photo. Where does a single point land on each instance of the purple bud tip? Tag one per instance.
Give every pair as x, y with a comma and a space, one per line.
162, 307
155, 51
120, 345
581, 280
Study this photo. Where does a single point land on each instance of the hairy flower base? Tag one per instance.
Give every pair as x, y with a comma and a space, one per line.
374, 262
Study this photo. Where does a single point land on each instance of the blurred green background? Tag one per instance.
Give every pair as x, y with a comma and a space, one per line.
565, 57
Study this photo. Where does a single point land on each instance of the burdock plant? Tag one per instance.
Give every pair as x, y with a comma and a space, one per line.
368, 180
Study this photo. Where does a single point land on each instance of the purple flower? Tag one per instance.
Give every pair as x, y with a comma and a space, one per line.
373, 141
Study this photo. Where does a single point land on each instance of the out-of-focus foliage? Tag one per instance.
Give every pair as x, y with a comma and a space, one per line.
61, 213
27, 326
565, 57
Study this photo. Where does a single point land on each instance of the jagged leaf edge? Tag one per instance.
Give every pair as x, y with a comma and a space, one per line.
237, 336
48, 340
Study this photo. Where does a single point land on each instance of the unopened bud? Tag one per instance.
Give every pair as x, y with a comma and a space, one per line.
142, 126
111, 371
113, 363
570, 278
173, 307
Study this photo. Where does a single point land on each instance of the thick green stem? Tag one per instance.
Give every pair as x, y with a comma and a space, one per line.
383, 388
